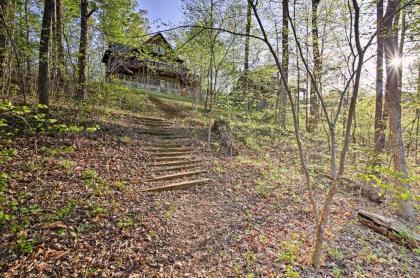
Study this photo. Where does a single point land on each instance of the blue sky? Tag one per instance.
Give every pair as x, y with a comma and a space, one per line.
167, 11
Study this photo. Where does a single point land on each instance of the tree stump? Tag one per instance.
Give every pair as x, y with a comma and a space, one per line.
222, 129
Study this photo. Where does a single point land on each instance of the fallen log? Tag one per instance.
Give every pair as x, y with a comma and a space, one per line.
369, 191
222, 128
390, 228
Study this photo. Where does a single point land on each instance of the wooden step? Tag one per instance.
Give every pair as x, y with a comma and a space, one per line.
174, 163
175, 176
169, 135
176, 186
157, 124
168, 150
170, 142
153, 122
150, 118
171, 158
171, 130
167, 145
167, 154
177, 168
154, 132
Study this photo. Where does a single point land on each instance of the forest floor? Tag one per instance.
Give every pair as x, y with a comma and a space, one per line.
80, 212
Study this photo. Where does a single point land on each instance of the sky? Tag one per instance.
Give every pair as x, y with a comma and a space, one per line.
166, 11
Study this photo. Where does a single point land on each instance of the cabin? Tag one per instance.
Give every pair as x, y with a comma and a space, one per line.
153, 65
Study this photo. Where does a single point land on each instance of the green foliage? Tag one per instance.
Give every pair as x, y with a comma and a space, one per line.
250, 257
262, 187
290, 273
219, 168
126, 221
6, 155
56, 151
90, 175
335, 253
384, 178
97, 209
66, 165
125, 140
4, 217
94, 181
25, 246
120, 186
130, 31
65, 211
32, 121
336, 272
288, 251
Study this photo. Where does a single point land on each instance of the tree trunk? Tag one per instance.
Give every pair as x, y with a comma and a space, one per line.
393, 96
27, 37
379, 135
314, 102
323, 220
43, 93
297, 70
401, 46
284, 63
3, 35
246, 60
58, 35
307, 79
84, 16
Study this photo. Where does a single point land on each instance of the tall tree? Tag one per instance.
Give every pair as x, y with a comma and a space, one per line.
379, 135
246, 58
401, 46
84, 24
58, 37
314, 102
43, 93
3, 34
393, 95
284, 63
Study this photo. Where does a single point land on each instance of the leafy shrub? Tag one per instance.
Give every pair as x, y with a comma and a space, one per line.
126, 221
25, 246
98, 210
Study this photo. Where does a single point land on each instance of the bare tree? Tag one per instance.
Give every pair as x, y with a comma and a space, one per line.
246, 58
314, 102
284, 63
379, 135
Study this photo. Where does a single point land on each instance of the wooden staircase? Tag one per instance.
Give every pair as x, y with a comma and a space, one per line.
174, 162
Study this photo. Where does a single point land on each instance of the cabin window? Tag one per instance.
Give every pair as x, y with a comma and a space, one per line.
158, 49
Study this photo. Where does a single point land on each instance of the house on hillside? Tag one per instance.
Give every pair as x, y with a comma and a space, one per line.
153, 65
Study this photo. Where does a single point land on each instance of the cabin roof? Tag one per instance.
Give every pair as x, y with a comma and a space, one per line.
156, 37
126, 50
